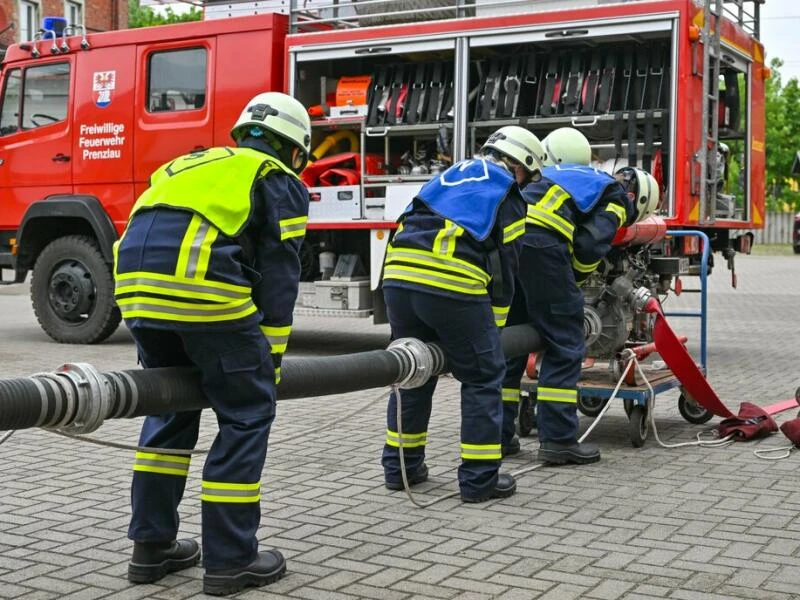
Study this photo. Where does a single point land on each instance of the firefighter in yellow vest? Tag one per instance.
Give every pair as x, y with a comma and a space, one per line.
207, 275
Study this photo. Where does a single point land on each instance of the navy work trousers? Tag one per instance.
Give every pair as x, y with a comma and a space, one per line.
238, 378
546, 290
471, 342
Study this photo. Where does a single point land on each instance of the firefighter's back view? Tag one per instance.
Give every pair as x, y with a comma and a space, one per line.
207, 275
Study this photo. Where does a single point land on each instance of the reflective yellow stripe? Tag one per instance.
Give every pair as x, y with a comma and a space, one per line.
618, 210
481, 452
439, 280
511, 394
553, 199
584, 267
158, 308
431, 259
446, 238
184, 257
204, 252
292, 228
277, 375
164, 464
196, 249
537, 216
278, 337
172, 282
568, 396
513, 231
500, 315
240, 493
409, 440
147, 286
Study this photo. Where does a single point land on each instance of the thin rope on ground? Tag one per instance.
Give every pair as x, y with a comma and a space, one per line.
197, 451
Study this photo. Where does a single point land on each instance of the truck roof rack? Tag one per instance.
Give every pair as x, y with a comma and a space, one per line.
309, 15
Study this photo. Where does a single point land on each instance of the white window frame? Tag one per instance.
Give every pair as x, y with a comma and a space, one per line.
78, 6
28, 30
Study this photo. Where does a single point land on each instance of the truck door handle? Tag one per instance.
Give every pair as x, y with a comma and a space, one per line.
61, 158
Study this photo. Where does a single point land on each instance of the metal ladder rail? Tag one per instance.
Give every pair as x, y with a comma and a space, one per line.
707, 154
748, 21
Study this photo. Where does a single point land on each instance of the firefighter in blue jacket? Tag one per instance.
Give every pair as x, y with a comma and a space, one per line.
448, 277
207, 275
574, 212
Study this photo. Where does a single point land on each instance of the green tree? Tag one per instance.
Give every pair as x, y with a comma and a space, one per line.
783, 138
144, 16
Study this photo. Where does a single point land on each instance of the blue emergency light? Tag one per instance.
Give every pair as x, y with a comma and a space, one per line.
55, 24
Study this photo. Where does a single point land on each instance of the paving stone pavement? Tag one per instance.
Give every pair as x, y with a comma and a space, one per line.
648, 523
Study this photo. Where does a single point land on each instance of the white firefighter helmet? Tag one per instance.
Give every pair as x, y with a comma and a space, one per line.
642, 188
279, 113
613, 165
567, 145
519, 144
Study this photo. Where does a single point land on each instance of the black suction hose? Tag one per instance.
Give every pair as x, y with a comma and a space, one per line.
79, 397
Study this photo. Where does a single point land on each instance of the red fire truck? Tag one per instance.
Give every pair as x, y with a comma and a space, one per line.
397, 90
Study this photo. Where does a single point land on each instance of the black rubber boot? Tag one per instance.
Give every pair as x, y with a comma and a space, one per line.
151, 562
418, 476
268, 567
556, 453
505, 487
512, 447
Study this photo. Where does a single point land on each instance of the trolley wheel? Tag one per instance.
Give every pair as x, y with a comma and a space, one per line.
591, 406
627, 404
638, 426
527, 415
693, 411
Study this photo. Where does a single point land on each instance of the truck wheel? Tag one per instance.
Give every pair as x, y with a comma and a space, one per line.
72, 292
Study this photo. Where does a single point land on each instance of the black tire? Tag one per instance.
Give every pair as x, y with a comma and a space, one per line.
796, 249
527, 415
591, 406
72, 291
638, 426
693, 412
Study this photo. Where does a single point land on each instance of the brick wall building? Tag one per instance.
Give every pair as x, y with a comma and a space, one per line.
21, 19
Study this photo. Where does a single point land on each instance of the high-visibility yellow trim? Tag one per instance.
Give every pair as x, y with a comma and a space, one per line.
409, 440
294, 227
426, 278
278, 337
186, 246
163, 464
513, 231
428, 258
500, 315
539, 217
277, 375
446, 239
204, 253
565, 395
125, 277
481, 452
238, 493
510, 394
159, 308
584, 267
618, 210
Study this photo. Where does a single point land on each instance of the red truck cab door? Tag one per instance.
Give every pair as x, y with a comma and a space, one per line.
174, 114
35, 135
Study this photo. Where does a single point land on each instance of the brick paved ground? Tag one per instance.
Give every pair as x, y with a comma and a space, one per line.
649, 523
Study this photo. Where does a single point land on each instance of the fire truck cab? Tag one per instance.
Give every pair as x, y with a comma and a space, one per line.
84, 121
397, 90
